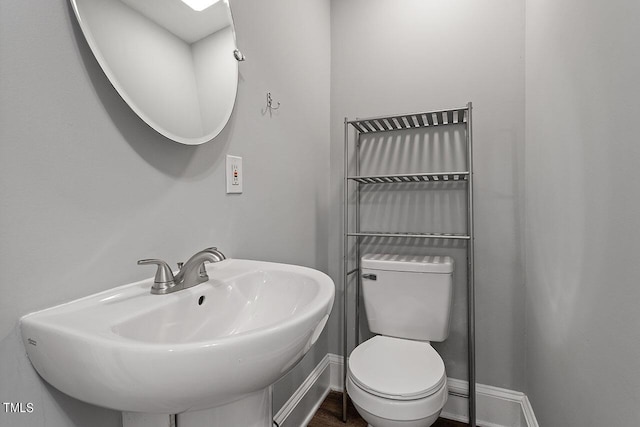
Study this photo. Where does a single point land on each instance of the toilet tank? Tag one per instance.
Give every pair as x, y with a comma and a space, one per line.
408, 296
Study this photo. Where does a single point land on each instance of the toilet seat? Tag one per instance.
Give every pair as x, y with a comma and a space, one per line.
397, 369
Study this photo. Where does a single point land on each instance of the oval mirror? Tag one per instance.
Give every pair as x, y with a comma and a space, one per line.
173, 61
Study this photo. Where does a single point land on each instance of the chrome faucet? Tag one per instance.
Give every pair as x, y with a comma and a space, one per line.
191, 273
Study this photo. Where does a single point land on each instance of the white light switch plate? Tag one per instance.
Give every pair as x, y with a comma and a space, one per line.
234, 174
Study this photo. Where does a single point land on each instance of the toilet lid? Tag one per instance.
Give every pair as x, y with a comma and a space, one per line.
397, 368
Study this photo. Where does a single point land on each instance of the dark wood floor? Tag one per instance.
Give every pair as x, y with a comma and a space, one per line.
330, 415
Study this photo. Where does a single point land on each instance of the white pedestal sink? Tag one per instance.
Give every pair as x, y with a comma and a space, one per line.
220, 344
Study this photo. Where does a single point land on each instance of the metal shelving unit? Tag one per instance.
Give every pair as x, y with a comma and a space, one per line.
454, 116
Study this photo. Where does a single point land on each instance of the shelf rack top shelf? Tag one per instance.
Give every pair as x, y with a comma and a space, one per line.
411, 120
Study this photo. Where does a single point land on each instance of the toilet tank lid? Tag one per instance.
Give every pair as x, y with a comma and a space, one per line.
410, 263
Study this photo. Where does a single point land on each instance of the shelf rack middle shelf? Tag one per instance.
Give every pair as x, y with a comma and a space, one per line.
448, 236
412, 177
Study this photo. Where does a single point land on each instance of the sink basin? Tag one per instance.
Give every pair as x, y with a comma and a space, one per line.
198, 348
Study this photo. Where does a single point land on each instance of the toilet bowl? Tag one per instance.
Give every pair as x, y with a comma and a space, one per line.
397, 382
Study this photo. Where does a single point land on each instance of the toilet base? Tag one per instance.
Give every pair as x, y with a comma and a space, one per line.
388, 413
376, 421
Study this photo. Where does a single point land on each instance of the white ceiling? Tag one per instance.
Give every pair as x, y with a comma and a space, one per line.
181, 20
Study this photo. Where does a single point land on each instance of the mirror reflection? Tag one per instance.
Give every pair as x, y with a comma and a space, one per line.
172, 61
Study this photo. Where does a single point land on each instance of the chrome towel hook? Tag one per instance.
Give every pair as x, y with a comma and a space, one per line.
270, 103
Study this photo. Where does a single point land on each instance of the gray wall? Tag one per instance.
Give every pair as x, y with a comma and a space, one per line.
86, 188
582, 210
390, 57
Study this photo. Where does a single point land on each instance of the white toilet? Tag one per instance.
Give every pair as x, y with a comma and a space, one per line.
396, 379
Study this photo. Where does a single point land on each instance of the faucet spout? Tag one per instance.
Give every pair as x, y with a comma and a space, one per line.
193, 271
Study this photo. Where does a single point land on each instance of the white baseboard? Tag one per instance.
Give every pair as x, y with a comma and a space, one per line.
527, 413
305, 401
335, 363
496, 407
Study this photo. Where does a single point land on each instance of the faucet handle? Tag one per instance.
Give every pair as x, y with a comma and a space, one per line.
164, 276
